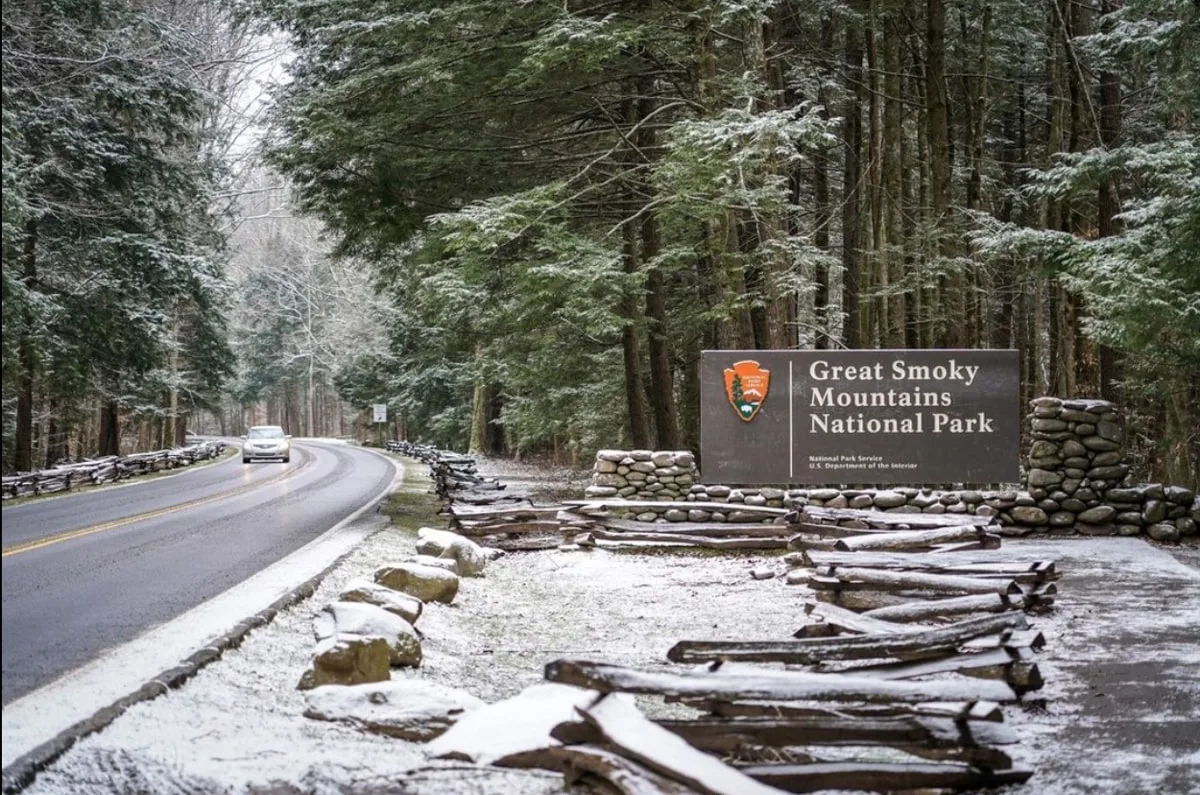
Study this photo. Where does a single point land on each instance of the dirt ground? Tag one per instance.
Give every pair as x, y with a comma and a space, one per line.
1120, 713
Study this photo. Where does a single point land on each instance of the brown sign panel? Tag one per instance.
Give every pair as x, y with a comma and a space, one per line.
869, 417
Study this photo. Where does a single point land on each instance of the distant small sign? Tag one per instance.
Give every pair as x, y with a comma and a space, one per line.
379, 412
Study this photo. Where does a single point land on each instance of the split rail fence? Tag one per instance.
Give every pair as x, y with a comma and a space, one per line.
106, 469
916, 637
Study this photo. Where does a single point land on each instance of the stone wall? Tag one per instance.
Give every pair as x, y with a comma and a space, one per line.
1076, 482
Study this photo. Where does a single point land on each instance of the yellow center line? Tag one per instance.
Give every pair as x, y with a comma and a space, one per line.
29, 546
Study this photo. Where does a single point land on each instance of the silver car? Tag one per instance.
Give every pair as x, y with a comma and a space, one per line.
266, 441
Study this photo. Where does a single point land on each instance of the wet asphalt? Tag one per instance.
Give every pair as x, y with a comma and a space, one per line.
130, 558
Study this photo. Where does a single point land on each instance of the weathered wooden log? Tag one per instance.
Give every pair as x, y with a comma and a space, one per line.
533, 526
859, 579
635, 736
521, 543
579, 763
707, 529
935, 563
985, 541
883, 777
500, 513
845, 647
970, 711
726, 734
681, 539
684, 505
819, 515
937, 738
1010, 665
848, 621
807, 541
908, 539
1009, 638
490, 498
733, 682
833, 530
943, 608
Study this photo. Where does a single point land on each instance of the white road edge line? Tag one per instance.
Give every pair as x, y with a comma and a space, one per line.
40, 715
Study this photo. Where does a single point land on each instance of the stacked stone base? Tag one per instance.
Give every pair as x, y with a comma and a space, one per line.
1075, 483
643, 474
1165, 513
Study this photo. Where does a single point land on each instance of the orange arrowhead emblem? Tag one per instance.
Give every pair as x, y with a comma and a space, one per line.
746, 387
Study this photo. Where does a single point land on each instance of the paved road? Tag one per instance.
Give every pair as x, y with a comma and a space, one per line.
87, 572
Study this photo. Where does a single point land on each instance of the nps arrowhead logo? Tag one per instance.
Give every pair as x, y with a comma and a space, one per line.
746, 387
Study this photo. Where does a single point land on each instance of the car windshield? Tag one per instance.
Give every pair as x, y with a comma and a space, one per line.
265, 433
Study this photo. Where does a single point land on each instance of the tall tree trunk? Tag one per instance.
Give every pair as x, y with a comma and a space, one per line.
635, 389
893, 314
666, 424
110, 428
662, 399
56, 434
938, 120
1108, 203
823, 332
851, 177
23, 446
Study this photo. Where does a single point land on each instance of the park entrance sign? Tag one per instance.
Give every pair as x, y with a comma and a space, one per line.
842, 417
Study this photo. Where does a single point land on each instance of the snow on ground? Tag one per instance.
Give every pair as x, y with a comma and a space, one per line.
1120, 716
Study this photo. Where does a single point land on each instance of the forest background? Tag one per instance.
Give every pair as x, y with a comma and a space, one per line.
518, 224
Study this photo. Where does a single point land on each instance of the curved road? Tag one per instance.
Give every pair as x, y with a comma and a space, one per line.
86, 572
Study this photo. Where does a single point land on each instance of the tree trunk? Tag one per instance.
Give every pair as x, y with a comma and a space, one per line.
23, 444
938, 121
110, 429
1108, 203
851, 176
666, 424
635, 388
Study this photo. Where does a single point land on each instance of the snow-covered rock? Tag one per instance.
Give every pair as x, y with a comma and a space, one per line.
442, 543
446, 564
427, 583
410, 709
359, 619
401, 604
514, 725
348, 660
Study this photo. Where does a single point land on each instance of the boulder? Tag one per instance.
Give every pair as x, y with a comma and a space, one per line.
348, 660
1179, 495
409, 709
1163, 531
1154, 511
427, 583
359, 619
445, 564
599, 491
395, 602
1029, 515
1099, 444
1044, 477
1101, 514
889, 499
467, 555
